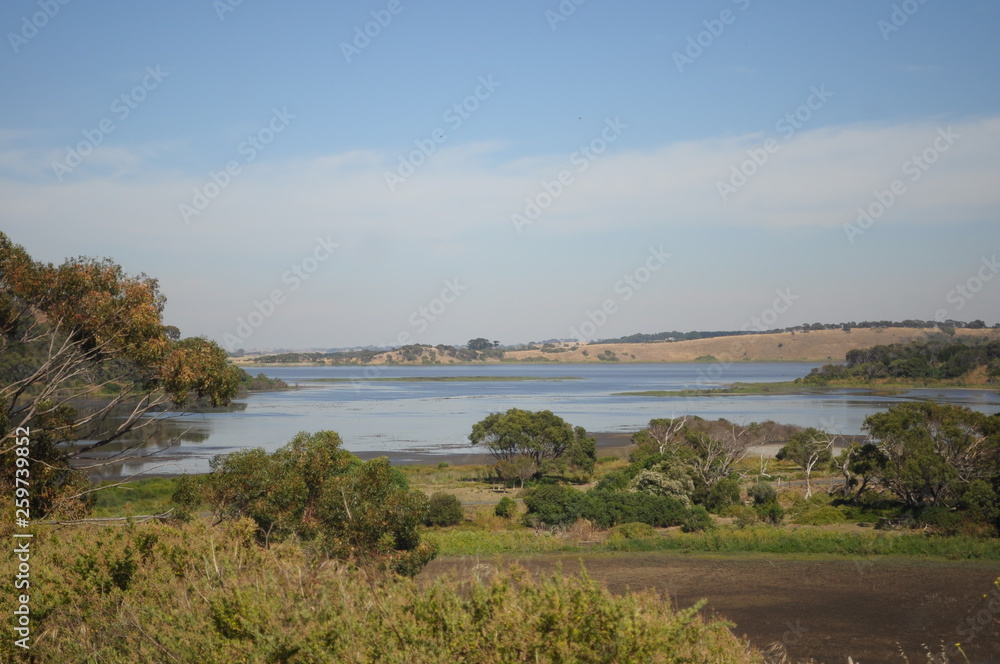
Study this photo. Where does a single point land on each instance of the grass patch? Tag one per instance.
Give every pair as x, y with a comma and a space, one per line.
462, 541
785, 387
466, 541
793, 387
146, 496
454, 476
807, 540
445, 379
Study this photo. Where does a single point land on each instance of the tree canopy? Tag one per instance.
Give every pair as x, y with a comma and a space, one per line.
926, 453
807, 448
544, 439
363, 512
85, 358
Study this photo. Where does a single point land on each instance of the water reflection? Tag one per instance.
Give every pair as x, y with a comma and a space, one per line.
159, 443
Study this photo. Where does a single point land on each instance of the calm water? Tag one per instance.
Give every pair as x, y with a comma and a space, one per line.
408, 421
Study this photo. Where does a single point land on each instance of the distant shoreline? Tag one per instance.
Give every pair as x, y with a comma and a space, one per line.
814, 346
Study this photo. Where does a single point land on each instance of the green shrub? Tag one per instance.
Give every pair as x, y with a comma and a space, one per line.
506, 508
772, 513
315, 490
444, 509
697, 519
552, 505
726, 492
980, 501
820, 516
762, 493
633, 530
941, 519
186, 497
616, 480
744, 517
607, 509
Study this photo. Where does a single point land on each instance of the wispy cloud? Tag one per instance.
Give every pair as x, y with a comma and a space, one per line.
817, 178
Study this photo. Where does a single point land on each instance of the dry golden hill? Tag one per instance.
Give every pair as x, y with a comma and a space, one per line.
813, 346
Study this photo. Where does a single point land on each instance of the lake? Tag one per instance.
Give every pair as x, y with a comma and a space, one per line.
416, 421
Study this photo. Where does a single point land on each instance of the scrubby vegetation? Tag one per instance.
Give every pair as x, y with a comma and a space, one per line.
443, 509
942, 358
259, 383
85, 356
188, 592
476, 350
312, 489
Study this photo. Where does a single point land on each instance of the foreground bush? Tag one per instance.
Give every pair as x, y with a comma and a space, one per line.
189, 593
313, 489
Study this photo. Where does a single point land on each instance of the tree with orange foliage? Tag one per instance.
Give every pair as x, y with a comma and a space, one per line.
85, 356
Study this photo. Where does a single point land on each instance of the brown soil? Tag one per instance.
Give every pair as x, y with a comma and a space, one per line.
826, 609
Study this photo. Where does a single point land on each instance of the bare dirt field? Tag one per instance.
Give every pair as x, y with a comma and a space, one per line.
826, 609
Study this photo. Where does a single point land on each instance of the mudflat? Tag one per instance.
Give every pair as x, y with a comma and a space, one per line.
873, 610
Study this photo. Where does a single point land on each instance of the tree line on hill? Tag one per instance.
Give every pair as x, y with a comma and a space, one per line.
937, 358
476, 350
948, 326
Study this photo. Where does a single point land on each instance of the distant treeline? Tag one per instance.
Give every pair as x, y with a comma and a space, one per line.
947, 326
424, 353
939, 358
668, 336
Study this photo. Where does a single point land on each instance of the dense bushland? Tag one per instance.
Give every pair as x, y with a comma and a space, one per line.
941, 358
191, 593
315, 490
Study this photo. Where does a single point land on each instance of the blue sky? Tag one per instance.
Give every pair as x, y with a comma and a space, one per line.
293, 184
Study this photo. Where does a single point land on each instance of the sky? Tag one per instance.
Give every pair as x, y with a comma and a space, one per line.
321, 175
